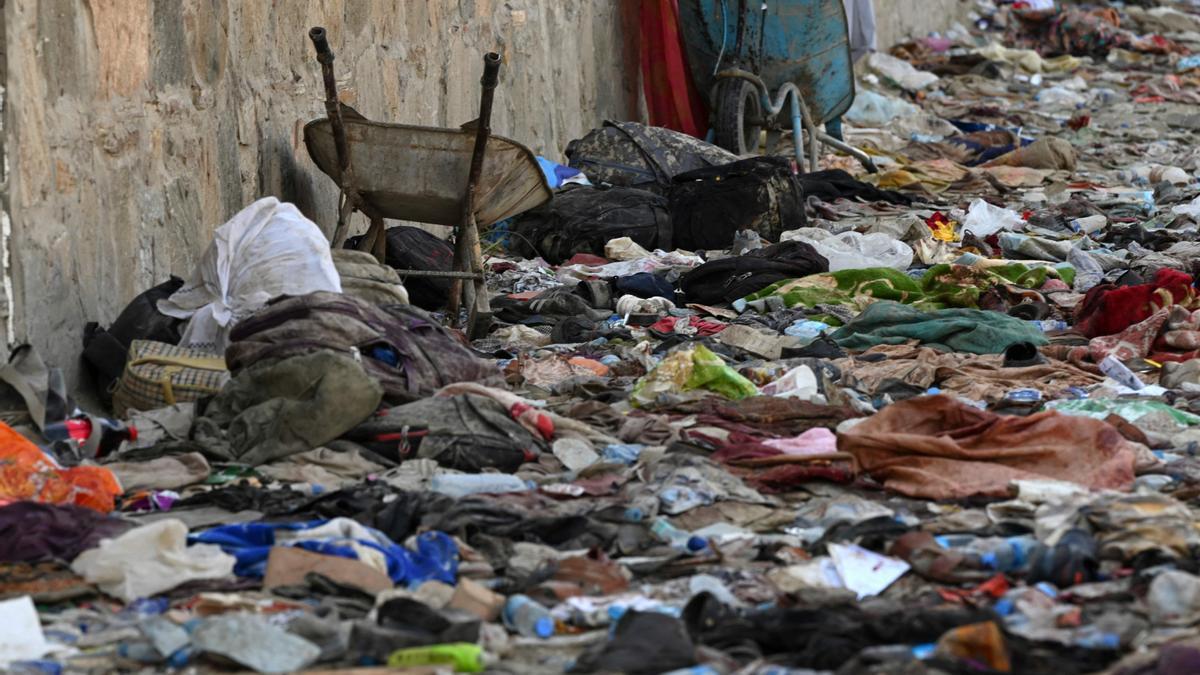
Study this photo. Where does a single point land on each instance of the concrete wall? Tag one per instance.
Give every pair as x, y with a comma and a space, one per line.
899, 20
136, 127
133, 128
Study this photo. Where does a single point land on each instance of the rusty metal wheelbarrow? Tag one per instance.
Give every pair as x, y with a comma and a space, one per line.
463, 177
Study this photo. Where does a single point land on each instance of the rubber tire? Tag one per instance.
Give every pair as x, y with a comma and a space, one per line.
737, 101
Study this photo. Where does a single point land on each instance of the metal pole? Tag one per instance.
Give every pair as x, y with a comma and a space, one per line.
333, 109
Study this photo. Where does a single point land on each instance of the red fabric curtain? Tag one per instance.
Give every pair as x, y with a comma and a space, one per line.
671, 98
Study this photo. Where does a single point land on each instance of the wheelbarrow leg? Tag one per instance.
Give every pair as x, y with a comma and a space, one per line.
375, 241
468, 255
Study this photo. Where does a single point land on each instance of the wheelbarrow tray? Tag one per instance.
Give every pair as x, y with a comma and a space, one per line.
806, 43
415, 173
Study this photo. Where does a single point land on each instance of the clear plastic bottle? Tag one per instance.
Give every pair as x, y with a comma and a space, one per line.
680, 540
1009, 554
1002, 554
525, 616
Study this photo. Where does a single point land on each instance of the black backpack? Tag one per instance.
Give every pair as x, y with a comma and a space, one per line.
106, 351
762, 194
728, 279
411, 248
583, 218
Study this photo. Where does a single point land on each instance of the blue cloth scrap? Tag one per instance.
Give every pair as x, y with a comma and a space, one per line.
250, 544
556, 174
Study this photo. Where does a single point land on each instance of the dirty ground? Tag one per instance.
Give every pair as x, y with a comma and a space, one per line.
730, 415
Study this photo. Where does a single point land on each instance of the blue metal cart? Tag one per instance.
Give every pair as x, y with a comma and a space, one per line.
774, 65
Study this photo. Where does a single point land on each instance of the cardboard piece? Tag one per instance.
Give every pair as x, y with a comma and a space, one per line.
287, 565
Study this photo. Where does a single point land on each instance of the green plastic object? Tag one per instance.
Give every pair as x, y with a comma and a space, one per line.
690, 369
1130, 411
463, 656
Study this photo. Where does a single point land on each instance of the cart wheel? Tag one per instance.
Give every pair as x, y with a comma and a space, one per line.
738, 117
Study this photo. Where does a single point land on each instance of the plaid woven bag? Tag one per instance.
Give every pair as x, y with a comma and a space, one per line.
158, 375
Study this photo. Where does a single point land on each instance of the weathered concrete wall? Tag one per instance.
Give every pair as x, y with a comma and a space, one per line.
898, 20
136, 127
133, 128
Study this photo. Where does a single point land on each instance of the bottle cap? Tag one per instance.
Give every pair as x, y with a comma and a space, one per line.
695, 543
544, 627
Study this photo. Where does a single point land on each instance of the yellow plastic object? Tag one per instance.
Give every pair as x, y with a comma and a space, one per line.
463, 656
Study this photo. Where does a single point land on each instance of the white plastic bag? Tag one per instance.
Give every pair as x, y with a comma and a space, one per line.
876, 110
150, 559
984, 220
267, 249
799, 382
21, 637
900, 72
854, 251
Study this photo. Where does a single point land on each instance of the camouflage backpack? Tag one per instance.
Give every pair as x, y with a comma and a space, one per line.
628, 154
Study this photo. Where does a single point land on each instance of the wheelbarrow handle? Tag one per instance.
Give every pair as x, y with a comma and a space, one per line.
491, 70
321, 43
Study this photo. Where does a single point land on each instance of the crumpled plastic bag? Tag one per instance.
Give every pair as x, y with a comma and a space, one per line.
265, 250
1174, 599
623, 249
875, 110
900, 72
252, 641
690, 369
853, 250
27, 473
984, 220
1191, 209
799, 382
149, 560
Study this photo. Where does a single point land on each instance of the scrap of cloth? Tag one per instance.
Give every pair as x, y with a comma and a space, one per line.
31, 531
935, 447
953, 330
975, 377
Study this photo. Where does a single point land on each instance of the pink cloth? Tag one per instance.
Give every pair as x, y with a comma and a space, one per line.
817, 441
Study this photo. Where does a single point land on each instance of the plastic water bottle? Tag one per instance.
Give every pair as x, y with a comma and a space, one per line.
525, 616
1088, 224
1112, 367
1009, 554
676, 538
79, 430
464, 484
1047, 325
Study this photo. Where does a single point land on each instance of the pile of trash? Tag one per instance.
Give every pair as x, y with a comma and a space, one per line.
731, 417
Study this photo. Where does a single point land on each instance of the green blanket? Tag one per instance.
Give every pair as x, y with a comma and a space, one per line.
959, 330
940, 287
